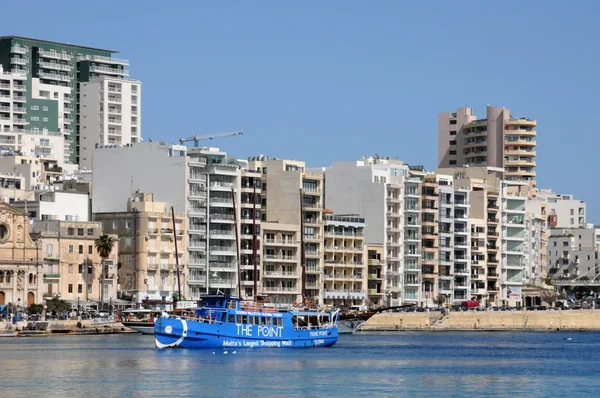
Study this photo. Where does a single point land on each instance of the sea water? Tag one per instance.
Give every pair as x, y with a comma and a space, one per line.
382, 364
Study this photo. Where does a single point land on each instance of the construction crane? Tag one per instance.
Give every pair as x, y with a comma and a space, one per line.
198, 138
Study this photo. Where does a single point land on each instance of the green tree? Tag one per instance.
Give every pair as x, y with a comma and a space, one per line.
104, 245
35, 309
58, 305
439, 300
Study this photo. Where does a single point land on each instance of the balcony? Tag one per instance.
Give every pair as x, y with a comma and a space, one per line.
51, 276
54, 55
109, 71
19, 50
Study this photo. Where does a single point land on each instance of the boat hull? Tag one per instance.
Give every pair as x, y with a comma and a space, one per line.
141, 327
182, 333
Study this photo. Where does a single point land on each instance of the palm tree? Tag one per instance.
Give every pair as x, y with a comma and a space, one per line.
104, 245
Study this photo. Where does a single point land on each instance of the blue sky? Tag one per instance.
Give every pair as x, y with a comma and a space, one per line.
325, 81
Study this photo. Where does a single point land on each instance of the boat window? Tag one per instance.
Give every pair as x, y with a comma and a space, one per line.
238, 319
268, 321
278, 322
232, 304
244, 319
251, 320
262, 320
231, 318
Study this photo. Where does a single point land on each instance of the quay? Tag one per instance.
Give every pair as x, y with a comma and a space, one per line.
67, 327
580, 320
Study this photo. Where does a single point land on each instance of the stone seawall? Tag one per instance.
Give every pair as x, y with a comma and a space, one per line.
485, 320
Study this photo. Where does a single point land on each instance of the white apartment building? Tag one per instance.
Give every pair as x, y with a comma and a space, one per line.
514, 250
110, 114
56, 205
381, 191
12, 105
16, 134
563, 210
198, 182
573, 256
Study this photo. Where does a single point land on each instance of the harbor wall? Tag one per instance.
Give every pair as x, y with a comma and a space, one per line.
75, 327
485, 320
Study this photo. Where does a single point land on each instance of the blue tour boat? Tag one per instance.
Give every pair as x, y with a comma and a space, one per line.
227, 322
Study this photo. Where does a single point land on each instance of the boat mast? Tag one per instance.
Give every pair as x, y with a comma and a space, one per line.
176, 255
237, 244
254, 241
302, 253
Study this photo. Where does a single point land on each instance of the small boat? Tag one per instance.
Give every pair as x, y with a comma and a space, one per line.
10, 334
222, 322
140, 320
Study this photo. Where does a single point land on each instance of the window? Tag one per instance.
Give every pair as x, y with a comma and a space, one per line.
128, 224
35, 107
70, 268
453, 132
452, 121
453, 162
572, 212
80, 268
453, 142
452, 152
115, 225
79, 231
45, 108
128, 259
572, 221
90, 249
71, 249
70, 288
80, 288
89, 288
90, 232
35, 119
80, 249
45, 119
71, 231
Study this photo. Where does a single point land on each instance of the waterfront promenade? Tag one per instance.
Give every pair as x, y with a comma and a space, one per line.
485, 321
69, 327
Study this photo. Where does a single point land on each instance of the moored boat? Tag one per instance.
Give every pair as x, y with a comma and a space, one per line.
10, 334
221, 322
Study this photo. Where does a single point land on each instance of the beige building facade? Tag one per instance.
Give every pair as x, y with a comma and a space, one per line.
500, 140
376, 295
20, 260
148, 272
345, 267
297, 193
72, 267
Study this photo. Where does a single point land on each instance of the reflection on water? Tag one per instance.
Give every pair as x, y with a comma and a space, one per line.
452, 364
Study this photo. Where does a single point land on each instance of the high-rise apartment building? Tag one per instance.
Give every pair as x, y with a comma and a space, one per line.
500, 140
381, 191
50, 98
345, 271
110, 114
16, 134
446, 242
295, 199
198, 182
